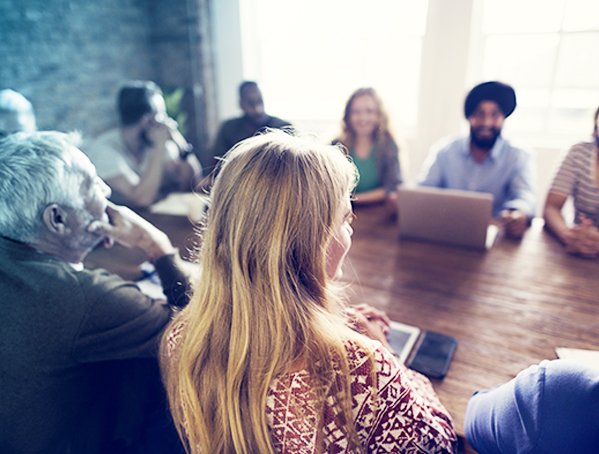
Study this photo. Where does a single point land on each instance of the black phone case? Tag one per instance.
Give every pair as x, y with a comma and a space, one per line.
434, 354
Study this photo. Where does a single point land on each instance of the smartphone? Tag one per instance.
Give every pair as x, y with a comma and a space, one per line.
434, 354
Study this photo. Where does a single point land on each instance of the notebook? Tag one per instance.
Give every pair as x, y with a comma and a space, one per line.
448, 216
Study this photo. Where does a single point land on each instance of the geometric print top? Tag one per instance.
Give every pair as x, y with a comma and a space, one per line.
405, 416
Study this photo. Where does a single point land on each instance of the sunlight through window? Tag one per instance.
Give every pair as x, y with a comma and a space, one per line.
309, 56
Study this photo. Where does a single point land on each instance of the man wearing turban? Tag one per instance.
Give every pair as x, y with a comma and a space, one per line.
485, 162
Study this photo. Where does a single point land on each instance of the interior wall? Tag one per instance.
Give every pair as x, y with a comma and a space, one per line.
70, 57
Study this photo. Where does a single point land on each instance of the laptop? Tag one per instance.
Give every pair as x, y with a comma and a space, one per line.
448, 216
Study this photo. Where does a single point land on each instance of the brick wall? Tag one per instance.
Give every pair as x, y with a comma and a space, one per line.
69, 57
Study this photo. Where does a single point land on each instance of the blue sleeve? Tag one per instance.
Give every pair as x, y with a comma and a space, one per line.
521, 195
505, 419
432, 173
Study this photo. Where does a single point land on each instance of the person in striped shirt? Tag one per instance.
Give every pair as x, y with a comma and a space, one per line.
578, 177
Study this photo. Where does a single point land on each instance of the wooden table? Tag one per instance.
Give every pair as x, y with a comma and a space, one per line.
509, 307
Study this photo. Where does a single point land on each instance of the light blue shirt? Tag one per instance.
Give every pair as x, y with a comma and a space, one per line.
506, 173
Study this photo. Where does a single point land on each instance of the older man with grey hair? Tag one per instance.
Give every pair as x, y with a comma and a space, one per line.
69, 335
16, 113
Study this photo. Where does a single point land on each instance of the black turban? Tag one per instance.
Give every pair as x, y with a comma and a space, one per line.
503, 94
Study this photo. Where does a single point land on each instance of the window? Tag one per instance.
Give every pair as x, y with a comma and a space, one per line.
310, 55
547, 49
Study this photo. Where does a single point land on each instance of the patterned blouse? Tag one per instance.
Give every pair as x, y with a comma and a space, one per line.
576, 178
405, 415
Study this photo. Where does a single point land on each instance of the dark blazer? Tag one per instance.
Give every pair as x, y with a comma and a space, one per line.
78, 352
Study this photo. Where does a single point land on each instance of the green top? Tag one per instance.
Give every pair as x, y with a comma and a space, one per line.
367, 168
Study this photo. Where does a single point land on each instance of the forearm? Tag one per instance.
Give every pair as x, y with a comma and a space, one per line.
146, 191
555, 222
175, 281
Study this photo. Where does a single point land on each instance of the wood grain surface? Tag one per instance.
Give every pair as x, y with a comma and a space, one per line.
509, 307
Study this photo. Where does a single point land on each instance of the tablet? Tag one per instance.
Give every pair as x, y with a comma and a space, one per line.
402, 339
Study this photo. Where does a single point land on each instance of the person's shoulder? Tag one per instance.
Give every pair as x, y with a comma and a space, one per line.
229, 123
448, 146
515, 148
583, 149
72, 282
108, 140
388, 143
276, 122
111, 135
366, 354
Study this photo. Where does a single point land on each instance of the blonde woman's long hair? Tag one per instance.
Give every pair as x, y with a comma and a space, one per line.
263, 301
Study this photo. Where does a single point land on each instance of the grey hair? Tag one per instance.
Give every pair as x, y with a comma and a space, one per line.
36, 170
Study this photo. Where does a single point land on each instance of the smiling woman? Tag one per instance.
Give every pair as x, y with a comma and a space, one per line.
365, 134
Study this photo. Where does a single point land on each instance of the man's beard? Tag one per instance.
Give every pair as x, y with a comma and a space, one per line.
485, 142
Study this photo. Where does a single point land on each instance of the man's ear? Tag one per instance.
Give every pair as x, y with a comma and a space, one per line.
55, 218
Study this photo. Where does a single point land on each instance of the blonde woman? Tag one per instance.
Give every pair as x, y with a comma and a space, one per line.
262, 360
365, 133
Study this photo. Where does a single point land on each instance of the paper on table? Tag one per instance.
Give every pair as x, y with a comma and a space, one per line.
587, 357
181, 204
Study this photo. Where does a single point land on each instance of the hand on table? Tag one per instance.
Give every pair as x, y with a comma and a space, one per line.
370, 322
583, 239
514, 223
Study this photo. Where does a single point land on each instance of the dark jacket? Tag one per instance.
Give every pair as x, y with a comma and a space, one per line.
75, 346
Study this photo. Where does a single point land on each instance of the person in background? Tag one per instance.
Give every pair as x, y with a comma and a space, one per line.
366, 135
485, 162
253, 120
146, 157
78, 347
16, 113
263, 359
552, 407
577, 177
